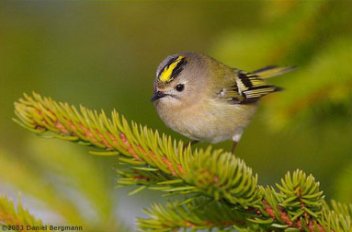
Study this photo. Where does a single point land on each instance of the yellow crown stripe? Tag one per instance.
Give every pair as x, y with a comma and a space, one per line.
165, 75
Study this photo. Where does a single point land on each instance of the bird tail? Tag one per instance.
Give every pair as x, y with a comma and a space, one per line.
272, 71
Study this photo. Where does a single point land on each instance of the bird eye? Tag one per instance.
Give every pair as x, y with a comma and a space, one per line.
180, 87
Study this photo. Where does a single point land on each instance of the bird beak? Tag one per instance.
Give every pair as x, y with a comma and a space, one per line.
157, 95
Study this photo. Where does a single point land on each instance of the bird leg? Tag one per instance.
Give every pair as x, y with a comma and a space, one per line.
190, 143
234, 145
236, 138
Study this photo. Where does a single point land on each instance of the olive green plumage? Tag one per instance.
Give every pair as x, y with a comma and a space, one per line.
205, 100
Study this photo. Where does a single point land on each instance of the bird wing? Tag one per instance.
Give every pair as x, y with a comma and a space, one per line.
245, 88
272, 71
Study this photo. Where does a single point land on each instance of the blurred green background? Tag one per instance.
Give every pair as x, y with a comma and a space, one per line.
103, 54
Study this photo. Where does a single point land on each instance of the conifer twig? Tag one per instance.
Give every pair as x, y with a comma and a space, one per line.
17, 218
151, 160
206, 177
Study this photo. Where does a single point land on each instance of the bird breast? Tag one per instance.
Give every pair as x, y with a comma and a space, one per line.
211, 120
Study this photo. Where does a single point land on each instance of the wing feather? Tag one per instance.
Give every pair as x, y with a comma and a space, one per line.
246, 88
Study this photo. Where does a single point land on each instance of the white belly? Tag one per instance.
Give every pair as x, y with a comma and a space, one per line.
213, 122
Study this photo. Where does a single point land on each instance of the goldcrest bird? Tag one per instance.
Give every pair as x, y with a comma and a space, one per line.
205, 100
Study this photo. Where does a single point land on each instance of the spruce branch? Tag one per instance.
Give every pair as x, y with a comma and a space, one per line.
17, 217
152, 160
221, 190
200, 213
337, 217
297, 203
